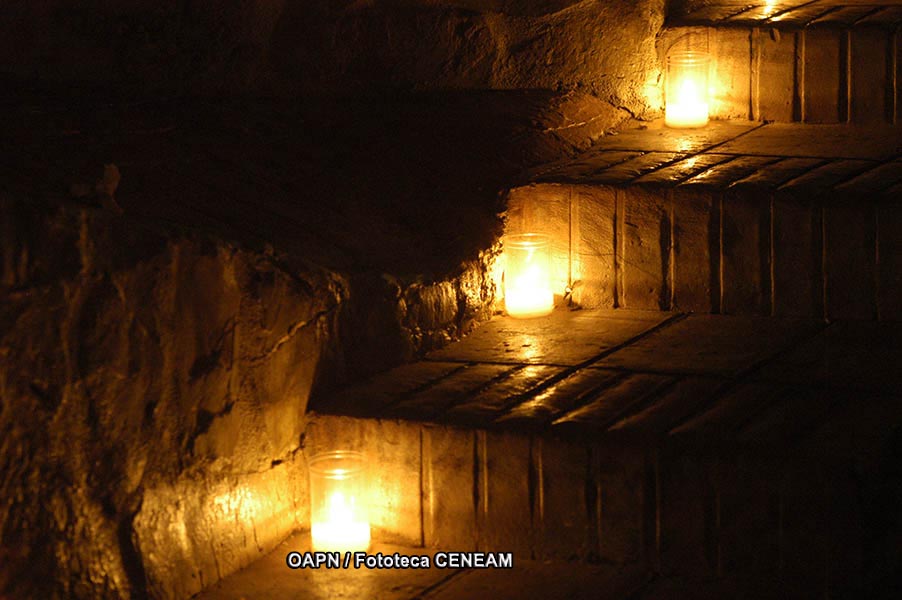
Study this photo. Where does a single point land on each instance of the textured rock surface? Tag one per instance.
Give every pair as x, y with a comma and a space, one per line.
158, 355
606, 48
154, 386
131, 363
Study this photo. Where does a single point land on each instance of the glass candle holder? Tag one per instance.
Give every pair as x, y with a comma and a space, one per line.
686, 91
527, 275
338, 514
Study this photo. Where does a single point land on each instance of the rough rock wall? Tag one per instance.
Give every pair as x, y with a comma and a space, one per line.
134, 366
605, 47
153, 389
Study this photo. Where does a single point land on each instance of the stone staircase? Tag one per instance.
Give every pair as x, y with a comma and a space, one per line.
713, 410
822, 61
737, 218
722, 411
735, 448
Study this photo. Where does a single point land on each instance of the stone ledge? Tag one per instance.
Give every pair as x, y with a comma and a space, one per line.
737, 218
793, 13
687, 445
622, 373
822, 62
270, 579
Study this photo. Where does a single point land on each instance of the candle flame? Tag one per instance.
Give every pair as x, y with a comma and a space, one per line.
342, 530
689, 93
339, 510
689, 108
529, 295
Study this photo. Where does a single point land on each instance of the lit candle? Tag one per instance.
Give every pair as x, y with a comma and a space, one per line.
341, 532
687, 90
338, 516
527, 276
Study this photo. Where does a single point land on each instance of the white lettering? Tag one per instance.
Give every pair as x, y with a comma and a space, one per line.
313, 560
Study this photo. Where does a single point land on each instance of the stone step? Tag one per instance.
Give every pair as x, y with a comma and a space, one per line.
557, 500
738, 218
702, 445
254, 256
269, 579
822, 61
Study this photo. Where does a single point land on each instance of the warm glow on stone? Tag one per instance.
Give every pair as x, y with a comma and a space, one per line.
527, 276
338, 514
687, 90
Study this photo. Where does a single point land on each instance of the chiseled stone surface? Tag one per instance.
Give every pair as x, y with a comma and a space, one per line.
787, 12
773, 79
665, 375
655, 138
560, 397
823, 52
797, 233
385, 389
619, 399
481, 408
506, 488
710, 344
683, 169
696, 251
200, 529
847, 354
734, 410
745, 268
563, 338
818, 62
779, 173
729, 171
564, 515
688, 423
452, 391
634, 168
623, 497
449, 511
270, 579
644, 235
850, 242
819, 141
768, 219
681, 400
592, 246
874, 179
